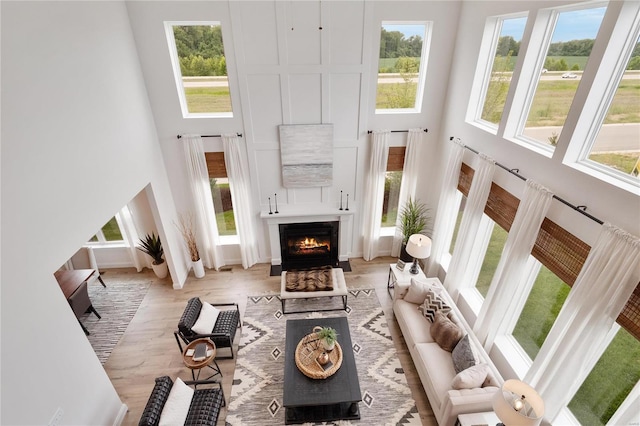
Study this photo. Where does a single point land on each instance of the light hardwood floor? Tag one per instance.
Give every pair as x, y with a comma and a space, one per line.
148, 348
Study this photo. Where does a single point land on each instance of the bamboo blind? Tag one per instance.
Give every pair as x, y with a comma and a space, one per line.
556, 248
395, 159
215, 164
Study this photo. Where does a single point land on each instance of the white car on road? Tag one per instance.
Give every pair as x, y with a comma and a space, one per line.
569, 75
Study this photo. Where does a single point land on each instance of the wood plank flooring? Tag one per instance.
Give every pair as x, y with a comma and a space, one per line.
148, 348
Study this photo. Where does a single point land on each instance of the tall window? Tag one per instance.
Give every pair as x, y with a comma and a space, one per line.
110, 232
200, 68
610, 381
491, 258
617, 145
402, 66
504, 60
571, 43
221, 193
392, 182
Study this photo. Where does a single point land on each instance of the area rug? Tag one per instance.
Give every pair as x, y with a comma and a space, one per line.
116, 304
256, 394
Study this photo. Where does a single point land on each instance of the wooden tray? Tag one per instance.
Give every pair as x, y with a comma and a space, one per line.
307, 353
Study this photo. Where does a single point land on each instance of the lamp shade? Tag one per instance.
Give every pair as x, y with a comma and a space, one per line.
517, 403
419, 246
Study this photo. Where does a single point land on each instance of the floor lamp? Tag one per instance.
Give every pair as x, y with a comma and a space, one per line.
418, 247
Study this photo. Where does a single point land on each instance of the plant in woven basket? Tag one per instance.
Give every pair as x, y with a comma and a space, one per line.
186, 228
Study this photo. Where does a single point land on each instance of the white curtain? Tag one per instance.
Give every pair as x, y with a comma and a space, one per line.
459, 274
409, 181
606, 281
447, 209
374, 193
128, 228
240, 185
198, 176
499, 310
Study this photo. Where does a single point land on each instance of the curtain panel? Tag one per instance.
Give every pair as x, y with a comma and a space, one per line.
447, 213
605, 283
374, 193
460, 274
240, 185
409, 181
198, 178
500, 308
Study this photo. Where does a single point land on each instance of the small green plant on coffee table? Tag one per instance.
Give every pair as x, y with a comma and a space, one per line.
328, 334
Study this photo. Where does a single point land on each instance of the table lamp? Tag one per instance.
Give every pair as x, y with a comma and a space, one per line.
517, 403
418, 247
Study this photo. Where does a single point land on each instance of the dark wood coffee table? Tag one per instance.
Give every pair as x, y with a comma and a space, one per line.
320, 400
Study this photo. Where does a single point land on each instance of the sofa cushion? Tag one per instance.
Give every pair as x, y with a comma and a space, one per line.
463, 355
439, 370
177, 406
472, 377
415, 328
445, 332
206, 320
432, 304
418, 290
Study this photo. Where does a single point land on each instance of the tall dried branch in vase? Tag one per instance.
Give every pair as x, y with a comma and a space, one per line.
187, 230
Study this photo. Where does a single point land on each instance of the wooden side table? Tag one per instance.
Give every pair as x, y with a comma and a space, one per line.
199, 365
402, 277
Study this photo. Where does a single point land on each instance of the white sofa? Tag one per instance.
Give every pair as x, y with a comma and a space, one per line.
435, 365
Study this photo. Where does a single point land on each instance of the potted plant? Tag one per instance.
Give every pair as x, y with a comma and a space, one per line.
328, 336
187, 230
414, 218
152, 246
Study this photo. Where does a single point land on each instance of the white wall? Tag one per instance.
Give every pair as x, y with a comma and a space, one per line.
279, 75
79, 142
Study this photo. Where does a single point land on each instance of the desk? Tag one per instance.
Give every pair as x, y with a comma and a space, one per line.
402, 277
69, 281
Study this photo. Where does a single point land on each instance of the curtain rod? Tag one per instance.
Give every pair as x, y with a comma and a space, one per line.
397, 131
212, 136
515, 172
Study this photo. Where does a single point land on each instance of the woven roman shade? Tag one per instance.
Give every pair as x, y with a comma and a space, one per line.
395, 159
215, 164
556, 248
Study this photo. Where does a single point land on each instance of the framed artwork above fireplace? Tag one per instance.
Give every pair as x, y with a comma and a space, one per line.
306, 152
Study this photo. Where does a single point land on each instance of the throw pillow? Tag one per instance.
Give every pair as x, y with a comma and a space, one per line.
417, 291
445, 332
432, 304
176, 408
206, 320
472, 377
463, 355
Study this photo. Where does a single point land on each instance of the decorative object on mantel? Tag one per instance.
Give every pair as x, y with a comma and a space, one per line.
306, 152
152, 246
517, 403
347, 202
340, 201
276, 200
186, 228
270, 212
419, 247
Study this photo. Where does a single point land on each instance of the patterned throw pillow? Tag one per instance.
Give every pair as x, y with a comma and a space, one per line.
463, 355
432, 304
445, 332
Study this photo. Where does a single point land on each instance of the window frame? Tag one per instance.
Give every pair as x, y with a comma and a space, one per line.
102, 242
177, 73
422, 71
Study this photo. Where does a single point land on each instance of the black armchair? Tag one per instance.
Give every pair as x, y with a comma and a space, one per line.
224, 330
204, 408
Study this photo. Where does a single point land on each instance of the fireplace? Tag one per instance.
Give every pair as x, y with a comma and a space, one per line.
310, 244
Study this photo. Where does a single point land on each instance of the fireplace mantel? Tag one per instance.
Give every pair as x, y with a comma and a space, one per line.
309, 213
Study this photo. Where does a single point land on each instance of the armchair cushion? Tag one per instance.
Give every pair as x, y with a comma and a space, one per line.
157, 399
190, 316
177, 405
206, 320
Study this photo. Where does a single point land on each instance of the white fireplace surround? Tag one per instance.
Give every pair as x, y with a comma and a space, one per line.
309, 213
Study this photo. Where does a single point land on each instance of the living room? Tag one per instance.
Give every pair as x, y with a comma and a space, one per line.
90, 118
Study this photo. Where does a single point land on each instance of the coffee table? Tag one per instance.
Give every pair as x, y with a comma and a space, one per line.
320, 400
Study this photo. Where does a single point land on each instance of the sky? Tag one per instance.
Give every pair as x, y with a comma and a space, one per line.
572, 25
407, 29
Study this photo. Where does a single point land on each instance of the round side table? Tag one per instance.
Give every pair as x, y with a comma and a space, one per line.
199, 365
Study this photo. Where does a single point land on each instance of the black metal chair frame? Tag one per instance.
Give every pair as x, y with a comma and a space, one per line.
226, 326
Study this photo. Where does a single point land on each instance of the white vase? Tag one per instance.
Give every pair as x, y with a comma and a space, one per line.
198, 268
161, 270
328, 347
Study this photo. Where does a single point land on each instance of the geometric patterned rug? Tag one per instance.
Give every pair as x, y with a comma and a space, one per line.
117, 304
256, 394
